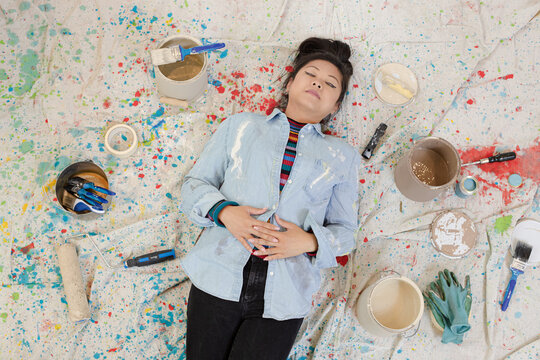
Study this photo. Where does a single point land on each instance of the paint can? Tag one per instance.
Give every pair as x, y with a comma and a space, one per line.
466, 187
453, 234
87, 170
184, 80
395, 84
429, 168
393, 305
121, 140
527, 230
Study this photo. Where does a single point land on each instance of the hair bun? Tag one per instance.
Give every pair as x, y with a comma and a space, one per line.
338, 48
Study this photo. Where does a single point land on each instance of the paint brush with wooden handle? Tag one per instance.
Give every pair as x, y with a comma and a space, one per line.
495, 158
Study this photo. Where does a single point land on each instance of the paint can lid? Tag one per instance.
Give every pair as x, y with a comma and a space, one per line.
395, 84
453, 234
515, 180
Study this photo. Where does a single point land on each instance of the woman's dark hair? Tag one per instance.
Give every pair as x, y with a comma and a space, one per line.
333, 51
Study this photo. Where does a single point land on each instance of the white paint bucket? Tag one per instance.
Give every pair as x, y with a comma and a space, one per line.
429, 168
185, 80
392, 305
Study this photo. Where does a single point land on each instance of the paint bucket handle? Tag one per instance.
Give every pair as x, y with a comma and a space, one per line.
407, 333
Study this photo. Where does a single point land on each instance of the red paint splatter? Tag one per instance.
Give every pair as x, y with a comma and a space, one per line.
126, 119
63, 231
365, 239
289, 69
506, 77
355, 86
106, 104
238, 75
141, 175
27, 248
120, 64
470, 101
342, 260
135, 103
481, 74
138, 94
269, 104
158, 186
519, 108
110, 313
362, 181
171, 307
220, 89
256, 88
525, 165
112, 350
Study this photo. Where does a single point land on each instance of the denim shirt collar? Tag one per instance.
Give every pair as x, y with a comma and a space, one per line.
278, 113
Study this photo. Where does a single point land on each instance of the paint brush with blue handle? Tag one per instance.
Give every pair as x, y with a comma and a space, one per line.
522, 253
177, 53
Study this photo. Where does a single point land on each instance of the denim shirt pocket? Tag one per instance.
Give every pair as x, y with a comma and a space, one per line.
320, 181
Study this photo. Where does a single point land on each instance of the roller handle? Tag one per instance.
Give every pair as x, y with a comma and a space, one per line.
150, 259
203, 48
502, 157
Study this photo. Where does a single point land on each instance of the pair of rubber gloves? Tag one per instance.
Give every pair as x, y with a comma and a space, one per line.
450, 305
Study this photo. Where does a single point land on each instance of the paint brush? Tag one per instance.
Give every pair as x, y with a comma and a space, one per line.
495, 158
178, 53
521, 256
370, 147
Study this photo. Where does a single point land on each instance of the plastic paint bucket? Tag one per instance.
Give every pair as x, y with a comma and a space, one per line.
87, 170
429, 168
185, 80
453, 234
392, 305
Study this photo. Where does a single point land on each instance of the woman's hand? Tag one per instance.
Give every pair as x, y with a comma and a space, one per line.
292, 242
240, 223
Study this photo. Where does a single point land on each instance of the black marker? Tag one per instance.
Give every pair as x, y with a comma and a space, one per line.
379, 132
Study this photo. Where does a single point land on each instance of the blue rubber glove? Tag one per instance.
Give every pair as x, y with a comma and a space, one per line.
450, 304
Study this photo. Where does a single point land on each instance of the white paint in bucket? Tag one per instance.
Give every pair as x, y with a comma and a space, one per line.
391, 306
172, 81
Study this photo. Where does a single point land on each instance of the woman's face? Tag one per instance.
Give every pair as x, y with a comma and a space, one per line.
314, 92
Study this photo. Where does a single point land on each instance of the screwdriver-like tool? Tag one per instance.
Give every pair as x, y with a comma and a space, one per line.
150, 259
495, 158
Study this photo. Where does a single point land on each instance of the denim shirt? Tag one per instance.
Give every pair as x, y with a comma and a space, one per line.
242, 163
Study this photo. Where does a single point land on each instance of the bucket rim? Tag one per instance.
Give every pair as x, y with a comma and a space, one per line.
188, 81
418, 316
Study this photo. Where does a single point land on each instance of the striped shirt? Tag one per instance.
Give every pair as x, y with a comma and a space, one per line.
290, 152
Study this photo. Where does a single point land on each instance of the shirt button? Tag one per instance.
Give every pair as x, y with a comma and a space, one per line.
289, 181
302, 136
299, 154
271, 273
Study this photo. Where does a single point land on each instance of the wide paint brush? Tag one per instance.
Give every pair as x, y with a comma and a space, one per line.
178, 53
522, 253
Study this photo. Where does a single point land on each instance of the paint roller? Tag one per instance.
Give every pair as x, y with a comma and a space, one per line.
72, 279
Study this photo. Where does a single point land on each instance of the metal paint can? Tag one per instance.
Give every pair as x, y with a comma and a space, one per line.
185, 80
467, 187
429, 168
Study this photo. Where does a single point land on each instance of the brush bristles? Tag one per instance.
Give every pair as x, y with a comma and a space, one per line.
522, 251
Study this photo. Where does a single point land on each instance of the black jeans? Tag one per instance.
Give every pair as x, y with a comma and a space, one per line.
222, 329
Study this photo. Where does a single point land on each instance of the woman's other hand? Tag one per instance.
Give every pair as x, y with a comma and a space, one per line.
283, 244
240, 223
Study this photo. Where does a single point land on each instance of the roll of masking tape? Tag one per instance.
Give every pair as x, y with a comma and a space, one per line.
121, 140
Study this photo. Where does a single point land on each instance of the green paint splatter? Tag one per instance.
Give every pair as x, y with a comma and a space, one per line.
3, 74
13, 38
3, 316
503, 223
26, 146
45, 7
29, 72
25, 5
15, 296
